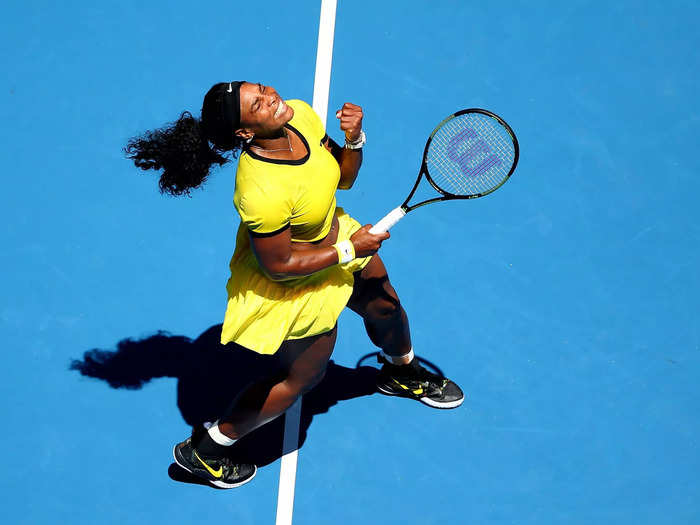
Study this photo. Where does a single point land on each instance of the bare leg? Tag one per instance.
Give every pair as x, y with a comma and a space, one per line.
303, 365
376, 301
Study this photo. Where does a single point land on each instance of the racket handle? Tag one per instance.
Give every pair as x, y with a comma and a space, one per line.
387, 222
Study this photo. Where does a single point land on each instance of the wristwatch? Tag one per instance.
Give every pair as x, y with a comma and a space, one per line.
358, 143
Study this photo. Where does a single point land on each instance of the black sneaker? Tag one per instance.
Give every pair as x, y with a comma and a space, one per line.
416, 382
218, 471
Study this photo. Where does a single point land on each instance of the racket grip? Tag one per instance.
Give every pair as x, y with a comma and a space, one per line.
388, 221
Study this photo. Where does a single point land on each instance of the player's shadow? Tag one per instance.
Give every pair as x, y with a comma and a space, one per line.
210, 375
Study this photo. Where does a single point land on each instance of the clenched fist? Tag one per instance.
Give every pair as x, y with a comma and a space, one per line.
350, 117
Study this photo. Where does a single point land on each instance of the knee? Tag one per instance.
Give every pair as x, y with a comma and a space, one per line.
302, 385
315, 381
384, 308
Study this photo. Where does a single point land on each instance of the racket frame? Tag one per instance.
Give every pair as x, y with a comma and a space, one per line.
446, 195
398, 213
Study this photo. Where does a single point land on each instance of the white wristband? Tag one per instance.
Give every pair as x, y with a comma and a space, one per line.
346, 251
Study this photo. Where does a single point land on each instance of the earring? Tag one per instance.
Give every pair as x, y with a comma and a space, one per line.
249, 139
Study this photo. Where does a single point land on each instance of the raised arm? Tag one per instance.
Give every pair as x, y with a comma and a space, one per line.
349, 160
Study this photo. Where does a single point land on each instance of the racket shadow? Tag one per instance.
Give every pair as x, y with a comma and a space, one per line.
374, 356
210, 375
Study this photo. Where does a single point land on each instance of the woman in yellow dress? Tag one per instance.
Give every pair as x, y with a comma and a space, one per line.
299, 259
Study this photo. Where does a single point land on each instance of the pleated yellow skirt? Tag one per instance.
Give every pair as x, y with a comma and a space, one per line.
262, 313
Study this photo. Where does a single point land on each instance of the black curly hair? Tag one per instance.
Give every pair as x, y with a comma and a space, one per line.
186, 149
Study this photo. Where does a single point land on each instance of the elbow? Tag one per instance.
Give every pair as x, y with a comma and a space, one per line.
276, 272
275, 275
345, 183
278, 277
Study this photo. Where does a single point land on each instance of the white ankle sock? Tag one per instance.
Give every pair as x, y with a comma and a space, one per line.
219, 437
398, 360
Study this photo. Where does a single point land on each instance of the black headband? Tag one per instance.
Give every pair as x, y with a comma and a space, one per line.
231, 105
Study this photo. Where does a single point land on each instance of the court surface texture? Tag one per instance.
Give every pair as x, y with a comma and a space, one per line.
565, 304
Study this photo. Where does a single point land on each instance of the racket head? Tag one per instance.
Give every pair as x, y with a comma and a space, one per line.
471, 153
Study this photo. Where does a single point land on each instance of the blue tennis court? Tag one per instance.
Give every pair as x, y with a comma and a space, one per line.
565, 304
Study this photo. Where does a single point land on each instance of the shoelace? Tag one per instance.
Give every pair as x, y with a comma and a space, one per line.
423, 376
229, 467
429, 381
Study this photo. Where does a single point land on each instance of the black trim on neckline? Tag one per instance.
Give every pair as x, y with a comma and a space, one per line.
297, 162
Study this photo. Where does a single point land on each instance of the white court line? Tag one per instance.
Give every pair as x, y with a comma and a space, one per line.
324, 58
322, 82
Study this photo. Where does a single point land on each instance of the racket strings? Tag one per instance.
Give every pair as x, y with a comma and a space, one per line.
470, 154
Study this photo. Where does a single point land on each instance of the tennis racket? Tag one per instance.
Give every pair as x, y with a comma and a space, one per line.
469, 154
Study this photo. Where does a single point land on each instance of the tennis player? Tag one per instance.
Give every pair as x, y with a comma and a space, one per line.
299, 259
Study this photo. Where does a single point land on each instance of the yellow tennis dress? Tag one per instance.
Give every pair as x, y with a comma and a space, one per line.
271, 195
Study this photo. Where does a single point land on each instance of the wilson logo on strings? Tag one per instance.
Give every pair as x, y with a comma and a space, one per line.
473, 159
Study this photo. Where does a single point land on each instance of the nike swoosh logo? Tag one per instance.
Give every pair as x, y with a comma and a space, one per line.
216, 473
417, 391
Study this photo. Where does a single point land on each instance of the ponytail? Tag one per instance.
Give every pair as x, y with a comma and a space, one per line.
186, 149
180, 150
